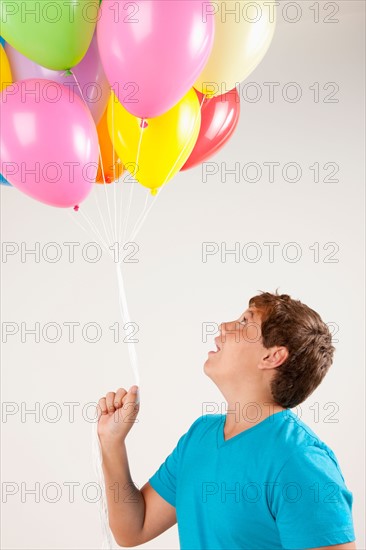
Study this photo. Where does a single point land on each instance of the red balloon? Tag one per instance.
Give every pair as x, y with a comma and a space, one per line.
219, 118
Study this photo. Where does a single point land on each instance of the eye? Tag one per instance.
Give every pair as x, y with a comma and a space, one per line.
243, 321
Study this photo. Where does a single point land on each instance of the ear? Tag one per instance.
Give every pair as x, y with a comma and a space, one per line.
273, 357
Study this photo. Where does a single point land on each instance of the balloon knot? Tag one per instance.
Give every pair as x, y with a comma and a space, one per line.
143, 124
68, 72
154, 191
76, 208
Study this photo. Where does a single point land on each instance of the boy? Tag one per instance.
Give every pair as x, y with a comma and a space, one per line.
256, 477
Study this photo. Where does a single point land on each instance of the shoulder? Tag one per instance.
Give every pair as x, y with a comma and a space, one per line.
205, 420
311, 463
203, 424
301, 441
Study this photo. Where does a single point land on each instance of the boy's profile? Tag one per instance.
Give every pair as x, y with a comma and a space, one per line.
256, 477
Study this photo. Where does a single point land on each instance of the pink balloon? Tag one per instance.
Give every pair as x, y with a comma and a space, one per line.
89, 73
48, 143
154, 50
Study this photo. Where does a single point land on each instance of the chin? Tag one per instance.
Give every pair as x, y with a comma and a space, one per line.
208, 366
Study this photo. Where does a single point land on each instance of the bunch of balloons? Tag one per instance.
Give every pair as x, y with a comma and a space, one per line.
82, 82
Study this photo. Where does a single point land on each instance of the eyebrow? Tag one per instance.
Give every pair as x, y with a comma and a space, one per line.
248, 311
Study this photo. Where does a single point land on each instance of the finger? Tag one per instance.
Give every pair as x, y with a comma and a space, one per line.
102, 406
130, 405
120, 393
132, 396
110, 401
99, 412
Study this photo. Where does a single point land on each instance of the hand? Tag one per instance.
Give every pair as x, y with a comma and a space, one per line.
117, 413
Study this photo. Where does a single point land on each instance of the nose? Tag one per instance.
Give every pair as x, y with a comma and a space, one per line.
226, 326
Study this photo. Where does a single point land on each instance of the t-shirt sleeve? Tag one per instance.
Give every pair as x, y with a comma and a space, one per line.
311, 504
164, 481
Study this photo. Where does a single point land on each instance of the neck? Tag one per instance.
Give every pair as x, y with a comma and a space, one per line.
242, 414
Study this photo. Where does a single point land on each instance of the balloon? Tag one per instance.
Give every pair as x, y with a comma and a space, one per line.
153, 54
243, 33
220, 116
166, 141
48, 143
89, 74
3, 181
54, 34
5, 71
106, 151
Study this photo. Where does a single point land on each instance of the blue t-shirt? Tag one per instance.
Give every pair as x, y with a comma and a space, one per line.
275, 485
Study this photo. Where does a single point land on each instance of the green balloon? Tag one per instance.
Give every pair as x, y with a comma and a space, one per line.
54, 34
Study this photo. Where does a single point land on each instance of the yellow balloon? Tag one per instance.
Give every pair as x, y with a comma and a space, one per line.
5, 71
243, 33
154, 150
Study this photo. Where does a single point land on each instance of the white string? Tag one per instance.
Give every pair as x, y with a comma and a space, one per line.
127, 215
107, 536
110, 240
72, 217
113, 150
106, 532
142, 213
132, 185
115, 210
114, 173
125, 314
120, 207
96, 232
134, 234
102, 217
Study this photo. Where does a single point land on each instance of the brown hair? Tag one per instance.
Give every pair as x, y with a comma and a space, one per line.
287, 322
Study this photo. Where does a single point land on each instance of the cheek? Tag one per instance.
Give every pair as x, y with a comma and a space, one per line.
251, 333
246, 349
237, 351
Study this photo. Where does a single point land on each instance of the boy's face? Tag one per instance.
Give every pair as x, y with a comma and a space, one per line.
239, 349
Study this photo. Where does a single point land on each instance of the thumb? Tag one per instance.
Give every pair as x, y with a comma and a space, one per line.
133, 394
137, 401
130, 405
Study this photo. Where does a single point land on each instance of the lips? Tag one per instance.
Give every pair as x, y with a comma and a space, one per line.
218, 346
218, 343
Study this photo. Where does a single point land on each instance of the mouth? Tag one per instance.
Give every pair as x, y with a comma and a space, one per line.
218, 347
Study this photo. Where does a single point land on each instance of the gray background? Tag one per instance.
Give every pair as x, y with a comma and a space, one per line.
172, 292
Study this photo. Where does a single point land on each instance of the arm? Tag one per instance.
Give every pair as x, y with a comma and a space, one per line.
321, 515
159, 515
135, 516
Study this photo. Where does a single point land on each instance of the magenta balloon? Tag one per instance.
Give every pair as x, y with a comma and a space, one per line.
48, 143
89, 73
154, 50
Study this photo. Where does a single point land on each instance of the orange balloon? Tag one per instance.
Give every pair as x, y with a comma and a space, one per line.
106, 151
